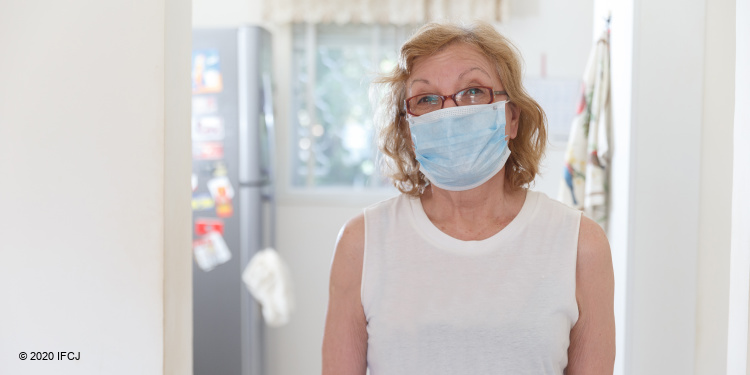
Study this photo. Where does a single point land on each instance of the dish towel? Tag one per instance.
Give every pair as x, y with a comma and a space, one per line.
267, 277
585, 183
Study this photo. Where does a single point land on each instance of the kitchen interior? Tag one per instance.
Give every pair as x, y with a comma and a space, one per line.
290, 177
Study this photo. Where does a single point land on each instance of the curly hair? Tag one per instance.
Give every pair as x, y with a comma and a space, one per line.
400, 163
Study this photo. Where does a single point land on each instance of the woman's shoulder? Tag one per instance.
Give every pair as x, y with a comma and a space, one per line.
389, 203
552, 214
388, 210
348, 255
593, 246
352, 234
547, 204
351, 237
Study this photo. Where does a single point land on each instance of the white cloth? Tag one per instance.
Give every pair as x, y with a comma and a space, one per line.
585, 183
438, 305
267, 277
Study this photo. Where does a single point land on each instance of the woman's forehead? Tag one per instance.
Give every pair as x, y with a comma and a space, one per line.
454, 62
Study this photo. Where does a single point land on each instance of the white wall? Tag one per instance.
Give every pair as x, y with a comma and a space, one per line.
637, 261
177, 279
681, 171
620, 219
679, 203
715, 189
87, 177
738, 356
666, 138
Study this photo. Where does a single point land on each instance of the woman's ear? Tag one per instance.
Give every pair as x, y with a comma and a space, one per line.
512, 117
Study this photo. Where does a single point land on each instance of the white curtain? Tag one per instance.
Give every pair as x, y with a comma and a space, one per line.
396, 12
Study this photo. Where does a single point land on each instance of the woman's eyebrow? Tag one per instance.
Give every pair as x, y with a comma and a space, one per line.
473, 69
460, 76
419, 80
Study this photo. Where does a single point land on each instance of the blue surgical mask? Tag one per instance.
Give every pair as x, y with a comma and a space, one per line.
460, 148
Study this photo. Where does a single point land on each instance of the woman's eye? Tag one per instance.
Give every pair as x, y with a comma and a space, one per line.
428, 99
474, 91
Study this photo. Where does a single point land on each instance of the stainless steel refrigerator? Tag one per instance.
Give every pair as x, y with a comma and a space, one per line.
233, 208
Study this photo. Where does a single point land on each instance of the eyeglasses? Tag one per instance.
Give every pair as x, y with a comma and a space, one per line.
425, 103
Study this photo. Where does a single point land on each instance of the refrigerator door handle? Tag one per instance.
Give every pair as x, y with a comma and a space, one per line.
271, 139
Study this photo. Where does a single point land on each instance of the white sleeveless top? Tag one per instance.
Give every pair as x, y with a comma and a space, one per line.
438, 305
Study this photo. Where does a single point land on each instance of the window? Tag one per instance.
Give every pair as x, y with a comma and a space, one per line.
334, 137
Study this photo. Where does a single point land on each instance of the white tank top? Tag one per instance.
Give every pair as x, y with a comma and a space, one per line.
438, 305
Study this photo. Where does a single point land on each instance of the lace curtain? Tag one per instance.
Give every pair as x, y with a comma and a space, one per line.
397, 12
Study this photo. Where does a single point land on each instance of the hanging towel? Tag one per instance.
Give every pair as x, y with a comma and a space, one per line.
267, 277
585, 183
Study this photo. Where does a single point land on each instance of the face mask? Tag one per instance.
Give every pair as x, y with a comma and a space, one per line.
460, 148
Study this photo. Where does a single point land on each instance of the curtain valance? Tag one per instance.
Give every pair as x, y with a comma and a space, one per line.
398, 12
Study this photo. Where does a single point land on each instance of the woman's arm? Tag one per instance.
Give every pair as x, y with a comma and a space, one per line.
345, 337
592, 339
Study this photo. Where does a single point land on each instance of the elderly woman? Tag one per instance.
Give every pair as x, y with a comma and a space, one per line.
467, 271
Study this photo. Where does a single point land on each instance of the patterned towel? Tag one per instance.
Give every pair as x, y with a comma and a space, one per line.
585, 184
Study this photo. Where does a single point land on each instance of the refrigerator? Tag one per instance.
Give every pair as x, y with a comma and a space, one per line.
233, 206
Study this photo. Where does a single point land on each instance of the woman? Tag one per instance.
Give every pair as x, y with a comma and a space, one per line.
467, 271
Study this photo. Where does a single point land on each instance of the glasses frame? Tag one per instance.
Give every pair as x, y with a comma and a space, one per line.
443, 98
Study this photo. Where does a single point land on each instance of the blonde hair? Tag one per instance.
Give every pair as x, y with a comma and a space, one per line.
400, 164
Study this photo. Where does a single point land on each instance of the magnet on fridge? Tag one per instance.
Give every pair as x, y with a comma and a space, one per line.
207, 128
202, 202
205, 226
208, 150
220, 187
206, 72
220, 169
210, 251
224, 207
204, 105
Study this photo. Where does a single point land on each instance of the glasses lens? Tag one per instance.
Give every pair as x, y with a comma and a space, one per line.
473, 95
422, 104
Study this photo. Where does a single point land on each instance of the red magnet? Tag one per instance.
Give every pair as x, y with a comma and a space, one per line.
208, 151
204, 226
